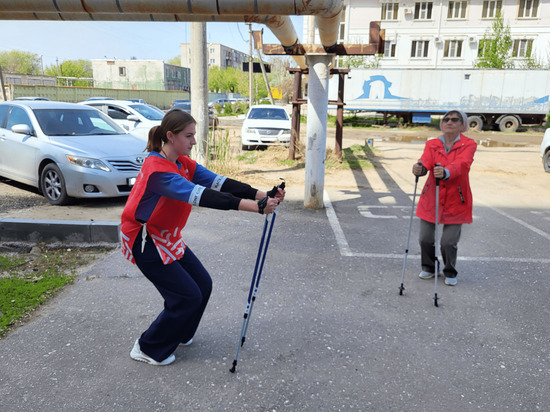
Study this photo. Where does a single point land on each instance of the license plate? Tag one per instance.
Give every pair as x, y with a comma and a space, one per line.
131, 181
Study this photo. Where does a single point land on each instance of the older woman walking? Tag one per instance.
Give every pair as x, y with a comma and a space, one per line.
447, 158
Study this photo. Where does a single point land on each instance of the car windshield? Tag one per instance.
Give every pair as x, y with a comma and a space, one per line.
74, 122
148, 112
268, 113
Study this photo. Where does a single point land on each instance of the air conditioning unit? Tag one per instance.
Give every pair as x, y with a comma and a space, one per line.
407, 10
472, 39
438, 39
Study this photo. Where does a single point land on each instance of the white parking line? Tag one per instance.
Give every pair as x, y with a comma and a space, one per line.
336, 228
346, 251
524, 224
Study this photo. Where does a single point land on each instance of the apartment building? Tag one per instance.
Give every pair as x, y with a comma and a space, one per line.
218, 55
140, 75
443, 33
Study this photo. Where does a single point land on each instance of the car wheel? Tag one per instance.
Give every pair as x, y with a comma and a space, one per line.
245, 147
52, 184
475, 123
546, 161
508, 124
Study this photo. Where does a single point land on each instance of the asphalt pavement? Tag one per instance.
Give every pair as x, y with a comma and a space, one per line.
329, 330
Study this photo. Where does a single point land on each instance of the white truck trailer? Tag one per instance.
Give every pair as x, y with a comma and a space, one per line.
503, 99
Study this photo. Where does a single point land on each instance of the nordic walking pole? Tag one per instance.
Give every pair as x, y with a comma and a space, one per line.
260, 259
402, 287
436, 239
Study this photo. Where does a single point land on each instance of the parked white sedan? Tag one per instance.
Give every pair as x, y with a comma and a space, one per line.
67, 150
137, 118
265, 125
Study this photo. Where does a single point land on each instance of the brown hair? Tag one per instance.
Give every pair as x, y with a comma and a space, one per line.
174, 121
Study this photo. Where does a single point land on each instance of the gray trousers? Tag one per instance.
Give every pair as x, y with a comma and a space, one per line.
450, 235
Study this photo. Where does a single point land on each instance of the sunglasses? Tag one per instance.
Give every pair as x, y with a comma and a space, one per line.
452, 119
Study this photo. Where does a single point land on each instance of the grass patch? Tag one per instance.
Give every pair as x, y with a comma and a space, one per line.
353, 157
248, 157
29, 280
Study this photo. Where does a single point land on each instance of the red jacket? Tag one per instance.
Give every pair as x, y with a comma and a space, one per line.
168, 218
455, 195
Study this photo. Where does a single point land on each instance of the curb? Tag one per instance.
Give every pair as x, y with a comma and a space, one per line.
73, 231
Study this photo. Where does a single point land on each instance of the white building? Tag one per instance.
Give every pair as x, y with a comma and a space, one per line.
140, 75
443, 33
218, 55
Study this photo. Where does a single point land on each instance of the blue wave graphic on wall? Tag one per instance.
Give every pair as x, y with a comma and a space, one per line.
373, 87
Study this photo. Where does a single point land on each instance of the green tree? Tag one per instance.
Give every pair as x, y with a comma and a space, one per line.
225, 80
495, 47
176, 61
16, 61
71, 68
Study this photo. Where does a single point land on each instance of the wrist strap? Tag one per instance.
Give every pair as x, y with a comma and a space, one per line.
261, 205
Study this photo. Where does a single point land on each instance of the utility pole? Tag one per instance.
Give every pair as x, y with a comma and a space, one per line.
250, 68
199, 89
2, 84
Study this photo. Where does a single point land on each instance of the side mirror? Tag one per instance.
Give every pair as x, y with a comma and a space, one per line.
133, 118
22, 129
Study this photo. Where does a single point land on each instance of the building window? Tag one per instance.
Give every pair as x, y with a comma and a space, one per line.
457, 10
522, 48
212, 61
490, 8
389, 48
342, 32
389, 11
453, 48
419, 48
423, 10
528, 8
122, 71
212, 51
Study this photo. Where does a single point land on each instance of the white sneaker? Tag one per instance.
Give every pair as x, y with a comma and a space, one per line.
189, 342
426, 275
450, 281
138, 355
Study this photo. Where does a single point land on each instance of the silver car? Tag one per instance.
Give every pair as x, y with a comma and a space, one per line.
67, 150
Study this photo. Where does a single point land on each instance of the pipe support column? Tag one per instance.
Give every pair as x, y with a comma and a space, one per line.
316, 143
199, 89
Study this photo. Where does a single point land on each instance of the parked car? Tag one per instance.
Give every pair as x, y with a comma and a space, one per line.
99, 98
221, 102
137, 101
265, 125
212, 117
178, 101
137, 118
545, 151
67, 150
45, 99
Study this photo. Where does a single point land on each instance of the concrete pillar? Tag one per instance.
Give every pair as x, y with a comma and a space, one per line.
199, 88
316, 140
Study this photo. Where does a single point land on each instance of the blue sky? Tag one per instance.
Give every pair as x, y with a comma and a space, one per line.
69, 40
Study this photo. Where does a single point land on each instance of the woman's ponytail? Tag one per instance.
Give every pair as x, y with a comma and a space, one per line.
156, 139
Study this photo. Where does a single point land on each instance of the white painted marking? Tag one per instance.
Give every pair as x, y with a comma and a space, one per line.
346, 251
336, 228
364, 210
524, 224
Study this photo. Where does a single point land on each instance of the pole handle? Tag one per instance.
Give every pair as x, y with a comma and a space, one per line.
275, 189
